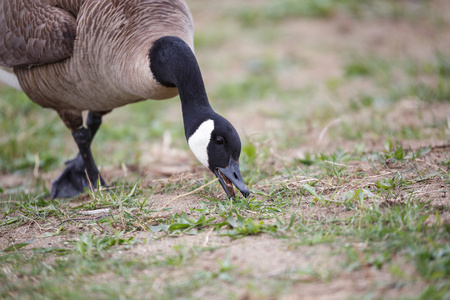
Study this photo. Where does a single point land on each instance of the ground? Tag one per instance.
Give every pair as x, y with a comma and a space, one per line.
344, 115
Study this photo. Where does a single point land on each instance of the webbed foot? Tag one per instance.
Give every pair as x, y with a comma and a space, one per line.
73, 180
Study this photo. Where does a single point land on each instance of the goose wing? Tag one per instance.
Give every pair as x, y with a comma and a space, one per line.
35, 32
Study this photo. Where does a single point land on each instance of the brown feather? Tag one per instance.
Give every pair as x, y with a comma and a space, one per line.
33, 32
80, 55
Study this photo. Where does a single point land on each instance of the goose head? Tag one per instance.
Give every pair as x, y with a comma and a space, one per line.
212, 139
217, 145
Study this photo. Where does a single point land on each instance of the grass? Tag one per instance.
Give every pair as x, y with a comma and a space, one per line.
268, 11
390, 231
385, 230
348, 170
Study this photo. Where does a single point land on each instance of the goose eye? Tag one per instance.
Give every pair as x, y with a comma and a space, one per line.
220, 140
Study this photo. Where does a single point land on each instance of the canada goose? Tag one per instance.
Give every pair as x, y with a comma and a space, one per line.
97, 55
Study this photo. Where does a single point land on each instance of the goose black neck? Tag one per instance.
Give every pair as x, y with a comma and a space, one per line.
173, 64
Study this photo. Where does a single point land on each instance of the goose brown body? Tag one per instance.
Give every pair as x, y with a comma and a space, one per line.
76, 55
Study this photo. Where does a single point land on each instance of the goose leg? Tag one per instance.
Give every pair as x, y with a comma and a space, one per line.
80, 172
93, 122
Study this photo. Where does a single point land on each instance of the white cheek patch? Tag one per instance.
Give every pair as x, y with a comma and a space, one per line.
199, 141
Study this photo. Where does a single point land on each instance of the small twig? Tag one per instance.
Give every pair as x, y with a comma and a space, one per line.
334, 163
95, 212
251, 212
207, 237
80, 219
430, 164
384, 174
36, 165
324, 131
140, 222
429, 192
110, 188
181, 196
100, 225
89, 180
33, 221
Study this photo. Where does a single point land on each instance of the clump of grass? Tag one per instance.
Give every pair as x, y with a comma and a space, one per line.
443, 65
88, 245
241, 227
358, 68
394, 152
436, 88
181, 223
439, 91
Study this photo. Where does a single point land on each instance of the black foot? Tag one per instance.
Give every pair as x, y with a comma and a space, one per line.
73, 180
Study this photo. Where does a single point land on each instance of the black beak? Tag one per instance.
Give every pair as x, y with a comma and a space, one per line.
229, 176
